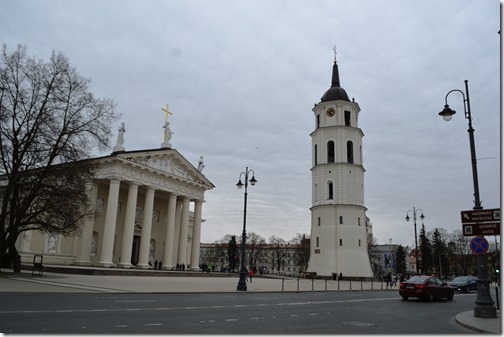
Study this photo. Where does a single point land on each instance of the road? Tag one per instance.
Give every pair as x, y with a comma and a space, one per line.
345, 312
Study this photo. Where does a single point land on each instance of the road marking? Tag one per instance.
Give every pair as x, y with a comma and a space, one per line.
231, 320
153, 324
201, 307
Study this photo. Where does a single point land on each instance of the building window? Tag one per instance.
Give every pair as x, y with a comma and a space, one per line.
315, 154
347, 117
318, 121
358, 221
330, 151
330, 190
318, 221
318, 242
359, 243
341, 242
341, 220
350, 152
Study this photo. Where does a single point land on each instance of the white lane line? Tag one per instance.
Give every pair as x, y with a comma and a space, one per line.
231, 320
153, 324
194, 308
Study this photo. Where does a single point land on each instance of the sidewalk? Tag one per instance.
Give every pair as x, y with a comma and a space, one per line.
194, 282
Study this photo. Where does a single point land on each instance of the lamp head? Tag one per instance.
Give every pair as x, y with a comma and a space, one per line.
407, 217
253, 181
239, 184
447, 113
422, 216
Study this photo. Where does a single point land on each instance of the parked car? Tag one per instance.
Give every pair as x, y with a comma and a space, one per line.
464, 284
425, 287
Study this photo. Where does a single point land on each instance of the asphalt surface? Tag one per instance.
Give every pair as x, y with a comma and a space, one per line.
194, 282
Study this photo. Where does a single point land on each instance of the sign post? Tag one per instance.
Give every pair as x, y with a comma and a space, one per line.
479, 222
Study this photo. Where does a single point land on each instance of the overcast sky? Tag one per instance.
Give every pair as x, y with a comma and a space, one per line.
241, 78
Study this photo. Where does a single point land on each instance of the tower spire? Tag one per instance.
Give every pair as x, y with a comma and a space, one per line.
334, 54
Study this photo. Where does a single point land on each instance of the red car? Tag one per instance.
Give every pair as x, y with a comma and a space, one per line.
425, 287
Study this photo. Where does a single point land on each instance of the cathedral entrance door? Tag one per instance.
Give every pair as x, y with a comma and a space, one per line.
135, 250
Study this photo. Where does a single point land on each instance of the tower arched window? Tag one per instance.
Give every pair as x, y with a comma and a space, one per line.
330, 190
330, 151
315, 154
349, 146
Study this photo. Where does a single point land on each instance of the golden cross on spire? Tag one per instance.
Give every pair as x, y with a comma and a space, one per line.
166, 127
168, 112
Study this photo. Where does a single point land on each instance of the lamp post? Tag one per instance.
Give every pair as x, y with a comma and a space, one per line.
484, 303
414, 211
242, 283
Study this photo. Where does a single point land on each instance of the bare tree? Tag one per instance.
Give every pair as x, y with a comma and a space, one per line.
302, 252
279, 251
49, 124
254, 243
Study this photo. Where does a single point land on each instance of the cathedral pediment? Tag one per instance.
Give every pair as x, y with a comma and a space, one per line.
165, 161
149, 164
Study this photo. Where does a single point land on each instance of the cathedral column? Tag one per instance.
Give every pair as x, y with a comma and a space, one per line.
85, 241
195, 248
143, 259
129, 227
184, 228
170, 231
107, 246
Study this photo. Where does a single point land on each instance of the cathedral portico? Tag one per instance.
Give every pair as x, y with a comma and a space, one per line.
143, 214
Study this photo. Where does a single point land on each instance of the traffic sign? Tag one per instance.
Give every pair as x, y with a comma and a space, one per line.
480, 215
487, 228
479, 245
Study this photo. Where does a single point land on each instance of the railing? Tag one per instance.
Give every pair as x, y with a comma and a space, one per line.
300, 284
283, 273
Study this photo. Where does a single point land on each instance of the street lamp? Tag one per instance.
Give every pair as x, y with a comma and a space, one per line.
484, 303
242, 283
414, 211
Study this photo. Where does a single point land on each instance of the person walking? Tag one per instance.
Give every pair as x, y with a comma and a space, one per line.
250, 274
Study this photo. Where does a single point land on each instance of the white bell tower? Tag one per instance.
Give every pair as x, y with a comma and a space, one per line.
338, 241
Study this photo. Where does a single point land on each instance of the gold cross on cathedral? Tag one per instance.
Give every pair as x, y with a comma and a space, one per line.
168, 112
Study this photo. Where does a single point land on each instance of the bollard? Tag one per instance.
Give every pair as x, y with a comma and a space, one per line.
326, 285
350, 284
297, 284
283, 284
312, 284
360, 284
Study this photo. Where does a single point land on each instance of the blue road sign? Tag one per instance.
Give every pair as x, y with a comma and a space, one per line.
479, 245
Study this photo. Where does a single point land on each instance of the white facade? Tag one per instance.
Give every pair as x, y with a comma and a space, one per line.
148, 208
338, 215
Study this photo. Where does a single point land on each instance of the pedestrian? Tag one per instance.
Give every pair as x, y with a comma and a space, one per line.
160, 264
250, 274
155, 265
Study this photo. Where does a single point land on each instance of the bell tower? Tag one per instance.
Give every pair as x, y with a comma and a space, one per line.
338, 241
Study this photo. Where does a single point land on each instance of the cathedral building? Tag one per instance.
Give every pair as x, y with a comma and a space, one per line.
148, 209
339, 226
